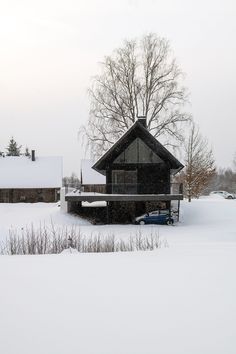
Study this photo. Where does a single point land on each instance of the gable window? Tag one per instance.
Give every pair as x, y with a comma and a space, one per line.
138, 152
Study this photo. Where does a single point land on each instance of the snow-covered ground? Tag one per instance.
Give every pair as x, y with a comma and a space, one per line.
176, 300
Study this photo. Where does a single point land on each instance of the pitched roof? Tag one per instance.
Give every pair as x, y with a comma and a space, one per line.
137, 130
22, 172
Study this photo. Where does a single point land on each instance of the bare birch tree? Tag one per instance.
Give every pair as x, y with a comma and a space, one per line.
139, 79
199, 163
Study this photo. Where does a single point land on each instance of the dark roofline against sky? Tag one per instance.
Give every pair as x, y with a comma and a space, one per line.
140, 126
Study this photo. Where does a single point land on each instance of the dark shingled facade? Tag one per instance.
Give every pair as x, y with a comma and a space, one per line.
137, 164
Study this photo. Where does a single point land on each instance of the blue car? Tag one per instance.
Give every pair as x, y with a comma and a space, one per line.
155, 217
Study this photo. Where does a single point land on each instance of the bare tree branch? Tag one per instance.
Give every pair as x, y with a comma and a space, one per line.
200, 164
140, 78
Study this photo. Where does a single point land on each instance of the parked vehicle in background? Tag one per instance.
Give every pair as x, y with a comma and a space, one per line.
161, 217
224, 194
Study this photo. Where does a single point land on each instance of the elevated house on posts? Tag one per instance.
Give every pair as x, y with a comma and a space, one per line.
138, 171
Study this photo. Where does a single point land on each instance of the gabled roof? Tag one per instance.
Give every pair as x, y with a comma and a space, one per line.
22, 172
89, 175
137, 130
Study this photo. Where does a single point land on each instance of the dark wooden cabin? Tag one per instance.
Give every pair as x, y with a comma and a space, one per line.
138, 172
138, 164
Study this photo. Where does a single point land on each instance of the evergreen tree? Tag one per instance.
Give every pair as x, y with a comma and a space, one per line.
13, 148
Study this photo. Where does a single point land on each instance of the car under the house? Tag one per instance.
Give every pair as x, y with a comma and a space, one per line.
159, 217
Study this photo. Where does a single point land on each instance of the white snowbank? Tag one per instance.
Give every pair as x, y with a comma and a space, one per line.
176, 300
70, 251
170, 301
22, 215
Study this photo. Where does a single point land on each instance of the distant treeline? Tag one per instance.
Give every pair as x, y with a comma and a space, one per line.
224, 179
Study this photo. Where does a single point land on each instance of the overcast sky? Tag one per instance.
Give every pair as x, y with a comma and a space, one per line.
50, 49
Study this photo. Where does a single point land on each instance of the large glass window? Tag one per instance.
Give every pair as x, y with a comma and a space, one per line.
130, 154
124, 181
145, 154
138, 152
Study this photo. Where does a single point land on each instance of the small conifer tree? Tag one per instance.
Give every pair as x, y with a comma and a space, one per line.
13, 148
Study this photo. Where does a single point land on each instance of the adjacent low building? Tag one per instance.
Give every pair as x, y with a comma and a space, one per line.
30, 179
91, 180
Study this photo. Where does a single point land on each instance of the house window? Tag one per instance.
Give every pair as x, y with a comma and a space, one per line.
124, 181
145, 154
138, 152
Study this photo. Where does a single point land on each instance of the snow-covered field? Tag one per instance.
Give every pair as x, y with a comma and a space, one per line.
176, 300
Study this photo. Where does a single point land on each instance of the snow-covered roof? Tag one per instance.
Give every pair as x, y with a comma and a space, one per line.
89, 175
22, 172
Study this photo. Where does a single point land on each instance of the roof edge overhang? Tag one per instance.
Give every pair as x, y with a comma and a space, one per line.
176, 164
121, 197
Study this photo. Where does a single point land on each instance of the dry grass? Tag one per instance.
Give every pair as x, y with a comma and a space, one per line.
51, 240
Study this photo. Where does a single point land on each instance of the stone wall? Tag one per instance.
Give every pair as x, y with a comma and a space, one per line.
94, 188
29, 195
122, 212
150, 206
126, 212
